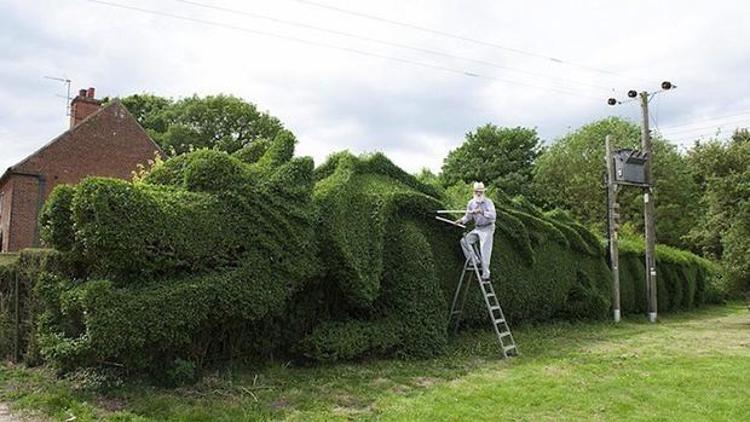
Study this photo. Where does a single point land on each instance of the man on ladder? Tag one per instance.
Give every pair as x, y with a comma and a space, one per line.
481, 210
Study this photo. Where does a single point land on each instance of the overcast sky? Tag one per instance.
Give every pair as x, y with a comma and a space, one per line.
350, 81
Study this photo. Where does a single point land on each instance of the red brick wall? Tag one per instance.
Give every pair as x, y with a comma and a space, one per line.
23, 213
110, 144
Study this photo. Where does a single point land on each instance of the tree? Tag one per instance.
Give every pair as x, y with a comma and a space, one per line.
149, 110
723, 232
498, 156
570, 175
222, 122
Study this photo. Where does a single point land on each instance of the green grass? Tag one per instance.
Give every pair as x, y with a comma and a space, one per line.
690, 366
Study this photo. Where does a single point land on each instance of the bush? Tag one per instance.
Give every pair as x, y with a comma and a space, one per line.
25, 268
147, 327
56, 219
683, 278
7, 303
210, 257
368, 208
181, 264
251, 153
382, 276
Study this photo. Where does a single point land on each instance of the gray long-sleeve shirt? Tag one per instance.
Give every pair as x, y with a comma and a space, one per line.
486, 217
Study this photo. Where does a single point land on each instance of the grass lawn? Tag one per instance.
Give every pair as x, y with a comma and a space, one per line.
691, 366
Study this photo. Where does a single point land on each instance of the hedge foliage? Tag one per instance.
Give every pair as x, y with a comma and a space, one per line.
385, 266
23, 270
179, 264
214, 255
684, 280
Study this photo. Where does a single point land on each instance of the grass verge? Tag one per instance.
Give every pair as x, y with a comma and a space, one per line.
688, 366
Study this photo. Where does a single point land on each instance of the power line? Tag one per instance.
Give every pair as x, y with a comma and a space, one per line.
337, 47
465, 38
710, 119
738, 123
388, 43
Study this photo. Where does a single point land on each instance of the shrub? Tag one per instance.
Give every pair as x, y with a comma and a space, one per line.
381, 257
148, 326
682, 278
179, 269
210, 257
252, 152
24, 271
56, 220
7, 303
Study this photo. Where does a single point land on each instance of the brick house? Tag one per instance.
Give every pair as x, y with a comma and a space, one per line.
101, 141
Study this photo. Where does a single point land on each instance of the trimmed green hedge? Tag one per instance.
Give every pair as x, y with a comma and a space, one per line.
384, 260
181, 265
24, 267
7, 303
683, 279
213, 255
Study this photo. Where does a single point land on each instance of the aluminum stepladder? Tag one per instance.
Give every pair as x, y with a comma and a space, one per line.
497, 318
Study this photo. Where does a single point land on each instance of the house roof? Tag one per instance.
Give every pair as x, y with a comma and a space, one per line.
115, 103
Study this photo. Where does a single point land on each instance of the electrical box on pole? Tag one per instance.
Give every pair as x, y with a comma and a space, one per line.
630, 166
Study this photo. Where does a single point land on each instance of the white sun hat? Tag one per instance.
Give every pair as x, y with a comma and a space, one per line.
479, 186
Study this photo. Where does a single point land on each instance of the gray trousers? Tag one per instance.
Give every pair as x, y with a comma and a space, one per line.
483, 235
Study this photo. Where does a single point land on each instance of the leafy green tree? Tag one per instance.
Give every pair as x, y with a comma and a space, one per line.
499, 156
222, 122
570, 175
149, 110
723, 232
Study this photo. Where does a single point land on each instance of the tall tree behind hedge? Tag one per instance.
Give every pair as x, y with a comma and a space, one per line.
570, 175
502, 157
722, 168
222, 122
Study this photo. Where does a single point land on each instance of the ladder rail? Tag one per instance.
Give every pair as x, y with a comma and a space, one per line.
457, 294
463, 302
507, 332
499, 323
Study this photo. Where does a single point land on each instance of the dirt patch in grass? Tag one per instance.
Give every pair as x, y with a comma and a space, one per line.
111, 404
425, 382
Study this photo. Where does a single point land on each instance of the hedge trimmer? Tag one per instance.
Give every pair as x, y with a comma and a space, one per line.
451, 222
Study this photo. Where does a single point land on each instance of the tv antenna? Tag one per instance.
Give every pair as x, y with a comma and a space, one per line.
66, 81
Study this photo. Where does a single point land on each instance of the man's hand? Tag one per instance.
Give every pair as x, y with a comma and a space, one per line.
459, 221
477, 211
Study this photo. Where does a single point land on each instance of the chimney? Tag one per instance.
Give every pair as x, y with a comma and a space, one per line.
83, 105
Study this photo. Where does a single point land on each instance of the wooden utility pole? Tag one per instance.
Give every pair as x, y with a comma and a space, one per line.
648, 192
612, 221
648, 210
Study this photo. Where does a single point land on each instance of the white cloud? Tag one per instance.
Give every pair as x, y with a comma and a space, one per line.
335, 100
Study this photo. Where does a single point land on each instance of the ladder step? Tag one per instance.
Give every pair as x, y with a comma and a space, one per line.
509, 348
494, 308
505, 334
499, 321
490, 295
